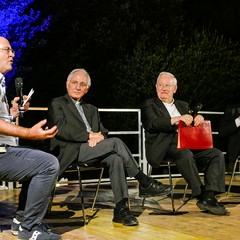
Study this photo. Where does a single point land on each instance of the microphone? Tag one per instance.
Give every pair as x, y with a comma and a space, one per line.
196, 109
19, 87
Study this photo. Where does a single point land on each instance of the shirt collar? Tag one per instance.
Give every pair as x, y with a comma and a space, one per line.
2, 80
169, 104
76, 102
1, 77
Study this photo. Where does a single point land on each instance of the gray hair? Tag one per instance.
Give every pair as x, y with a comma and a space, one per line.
169, 74
80, 70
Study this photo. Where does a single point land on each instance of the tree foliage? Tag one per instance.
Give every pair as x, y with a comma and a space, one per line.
18, 23
208, 70
205, 64
124, 44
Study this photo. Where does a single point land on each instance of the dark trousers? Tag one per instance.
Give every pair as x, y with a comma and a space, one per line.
211, 162
115, 154
38, 172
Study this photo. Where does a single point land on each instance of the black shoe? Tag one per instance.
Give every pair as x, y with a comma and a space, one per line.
37, 233
211, 205
125, 217
221, 205
154, 189
16, 224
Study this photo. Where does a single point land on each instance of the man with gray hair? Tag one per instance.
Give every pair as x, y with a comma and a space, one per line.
160, 117
82, 137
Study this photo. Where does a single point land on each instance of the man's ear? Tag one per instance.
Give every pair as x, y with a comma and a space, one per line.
86, 90
175, 89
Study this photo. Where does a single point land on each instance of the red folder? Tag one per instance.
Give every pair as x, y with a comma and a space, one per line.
195, 138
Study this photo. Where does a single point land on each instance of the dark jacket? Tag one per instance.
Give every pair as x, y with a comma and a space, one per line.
229, 129
159, 132
71, 128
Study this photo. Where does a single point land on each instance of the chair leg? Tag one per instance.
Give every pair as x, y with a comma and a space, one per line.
81, 195
171, 184
233, 173
149, 174
185, 192
97, 189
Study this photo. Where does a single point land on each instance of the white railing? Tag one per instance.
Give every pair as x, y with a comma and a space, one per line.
140, 154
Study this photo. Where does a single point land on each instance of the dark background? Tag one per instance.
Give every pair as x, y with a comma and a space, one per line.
125, 44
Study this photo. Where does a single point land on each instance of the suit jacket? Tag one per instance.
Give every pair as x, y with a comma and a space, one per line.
71, 128
159, 133
229, 129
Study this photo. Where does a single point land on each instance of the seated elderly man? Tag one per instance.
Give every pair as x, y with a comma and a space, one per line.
160, 116
82, 137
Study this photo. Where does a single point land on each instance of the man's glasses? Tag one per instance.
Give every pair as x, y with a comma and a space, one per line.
8, 49
165, 85
76, 83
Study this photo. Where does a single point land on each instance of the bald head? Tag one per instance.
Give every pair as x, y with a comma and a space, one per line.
6, 55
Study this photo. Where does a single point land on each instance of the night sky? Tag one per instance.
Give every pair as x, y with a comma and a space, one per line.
112, 39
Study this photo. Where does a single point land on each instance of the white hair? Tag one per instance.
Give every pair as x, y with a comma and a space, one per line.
79, 70
169, 74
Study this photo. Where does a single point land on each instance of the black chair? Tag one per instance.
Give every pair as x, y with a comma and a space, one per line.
233, 174
79, 167
169, 164
165, 163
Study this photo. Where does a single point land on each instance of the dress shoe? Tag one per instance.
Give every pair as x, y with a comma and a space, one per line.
212, 205
125, 217
154, 189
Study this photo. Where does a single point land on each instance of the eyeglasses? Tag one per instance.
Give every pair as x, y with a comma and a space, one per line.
8, 49
76, 83
165, 85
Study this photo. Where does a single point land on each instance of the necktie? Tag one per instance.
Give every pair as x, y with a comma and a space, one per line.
81, 112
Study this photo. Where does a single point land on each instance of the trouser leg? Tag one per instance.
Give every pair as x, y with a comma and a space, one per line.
212, 163
23, 164
117, 156
107, 147
117, 177
187, 167
22, 200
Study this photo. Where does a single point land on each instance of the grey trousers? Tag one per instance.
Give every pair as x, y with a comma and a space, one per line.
38, 171
115, 154
211, 162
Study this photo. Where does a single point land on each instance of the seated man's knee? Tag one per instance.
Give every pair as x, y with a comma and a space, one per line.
219, 155
185, 154
185, 158
53, 163
116, 140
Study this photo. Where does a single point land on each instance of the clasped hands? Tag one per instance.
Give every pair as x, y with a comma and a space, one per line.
188, 119
95, 138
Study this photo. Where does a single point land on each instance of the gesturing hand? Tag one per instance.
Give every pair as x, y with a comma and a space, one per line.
38, 133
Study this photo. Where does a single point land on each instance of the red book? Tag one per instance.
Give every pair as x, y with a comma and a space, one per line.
195, 138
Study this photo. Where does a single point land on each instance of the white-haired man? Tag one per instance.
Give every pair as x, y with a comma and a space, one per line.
160, 116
